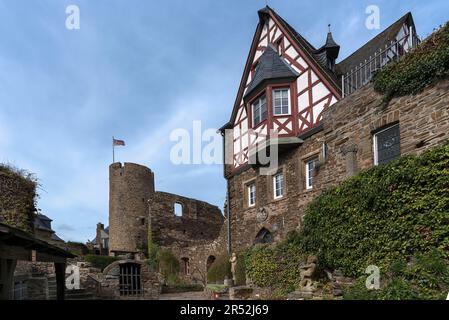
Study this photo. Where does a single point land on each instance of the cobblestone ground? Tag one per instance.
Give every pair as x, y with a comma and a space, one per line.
196, 295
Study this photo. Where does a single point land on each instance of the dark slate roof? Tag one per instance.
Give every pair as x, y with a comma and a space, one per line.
270, 66
372, 46
315, 54
55, 237
42, 222
16, 237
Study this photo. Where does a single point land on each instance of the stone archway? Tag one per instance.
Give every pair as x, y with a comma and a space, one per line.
129, 279
264, 236
209, 261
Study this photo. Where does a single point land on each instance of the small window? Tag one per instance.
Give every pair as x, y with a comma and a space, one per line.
278, 185
279, 47
142, 221
178, 209
310, 167
281, 102
387, 146
185, 266
259, 110
252, 194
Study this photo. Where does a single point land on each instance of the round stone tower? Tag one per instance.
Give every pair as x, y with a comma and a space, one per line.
130, 186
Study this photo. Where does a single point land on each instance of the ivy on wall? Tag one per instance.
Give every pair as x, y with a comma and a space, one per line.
383, 214
17, 198
394, 216
277, 266
424, 66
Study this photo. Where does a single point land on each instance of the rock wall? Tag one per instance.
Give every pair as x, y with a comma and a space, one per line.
347, 134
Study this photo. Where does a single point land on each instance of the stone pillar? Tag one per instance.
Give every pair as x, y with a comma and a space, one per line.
98, 241
350, 153
7, 267
60, 280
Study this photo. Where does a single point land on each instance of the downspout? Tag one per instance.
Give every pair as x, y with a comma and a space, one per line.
228, 204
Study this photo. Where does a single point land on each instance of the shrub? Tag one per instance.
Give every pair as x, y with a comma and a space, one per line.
219, 269
168, 266
427, 277
164, 262
275, 266
424, 66
100, 262
17, 197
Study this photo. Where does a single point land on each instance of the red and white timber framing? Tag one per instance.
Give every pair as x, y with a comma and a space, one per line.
310, 94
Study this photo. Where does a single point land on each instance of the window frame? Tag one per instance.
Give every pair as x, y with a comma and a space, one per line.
289, 111
309, 186
249, 186
275, 189
258, 102
375, 137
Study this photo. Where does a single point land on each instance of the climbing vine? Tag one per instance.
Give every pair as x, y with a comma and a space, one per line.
424, 66
17, 197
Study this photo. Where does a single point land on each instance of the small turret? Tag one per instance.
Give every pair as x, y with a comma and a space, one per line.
329, 51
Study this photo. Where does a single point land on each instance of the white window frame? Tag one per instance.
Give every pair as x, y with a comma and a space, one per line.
288, 99
282, 187
309, 178
257, 103
250, 186
375, 149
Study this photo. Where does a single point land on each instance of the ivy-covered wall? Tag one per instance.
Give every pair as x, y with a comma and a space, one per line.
17, 198
382, 214
424, 66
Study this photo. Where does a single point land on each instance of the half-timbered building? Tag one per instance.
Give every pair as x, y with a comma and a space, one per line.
316, 107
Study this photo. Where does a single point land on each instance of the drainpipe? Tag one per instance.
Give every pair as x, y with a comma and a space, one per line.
228, 203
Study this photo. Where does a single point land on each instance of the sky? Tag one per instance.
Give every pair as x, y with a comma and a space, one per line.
137, 70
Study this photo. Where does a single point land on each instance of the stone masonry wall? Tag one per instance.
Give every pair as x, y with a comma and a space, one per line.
130, 187
200, 221
347, 130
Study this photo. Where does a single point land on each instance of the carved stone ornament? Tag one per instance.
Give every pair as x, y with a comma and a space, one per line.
262, 215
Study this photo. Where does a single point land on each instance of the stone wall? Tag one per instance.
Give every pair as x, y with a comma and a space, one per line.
110, 283
347, 131
17, 197
130, 187
200, 221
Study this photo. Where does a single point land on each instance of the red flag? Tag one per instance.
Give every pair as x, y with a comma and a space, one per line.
116, 142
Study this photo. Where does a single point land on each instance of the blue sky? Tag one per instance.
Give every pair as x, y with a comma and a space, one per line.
137, 70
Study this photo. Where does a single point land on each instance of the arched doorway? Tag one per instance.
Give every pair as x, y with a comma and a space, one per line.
263, 236
209, 261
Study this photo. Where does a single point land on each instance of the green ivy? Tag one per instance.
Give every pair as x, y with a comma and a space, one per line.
17, 197
382, 214
277, 266
100, 262
424, 66
426, 276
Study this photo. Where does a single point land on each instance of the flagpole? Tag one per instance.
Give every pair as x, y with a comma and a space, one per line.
113, 153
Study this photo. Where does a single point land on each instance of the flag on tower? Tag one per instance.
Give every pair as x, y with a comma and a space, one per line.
116, 142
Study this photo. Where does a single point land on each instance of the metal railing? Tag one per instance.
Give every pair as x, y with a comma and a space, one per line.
362, 74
